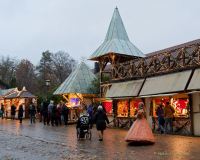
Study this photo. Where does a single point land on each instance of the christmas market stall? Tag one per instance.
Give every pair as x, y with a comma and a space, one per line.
77, 90
18, 98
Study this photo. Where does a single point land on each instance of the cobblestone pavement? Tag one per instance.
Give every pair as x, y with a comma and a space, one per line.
38, 142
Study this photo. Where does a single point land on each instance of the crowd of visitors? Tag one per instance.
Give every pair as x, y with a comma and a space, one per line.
50, 113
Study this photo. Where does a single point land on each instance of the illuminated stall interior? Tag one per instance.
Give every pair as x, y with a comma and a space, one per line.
127, 108
180, 103
76, 90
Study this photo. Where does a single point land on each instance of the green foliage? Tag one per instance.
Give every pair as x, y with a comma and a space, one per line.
95, 85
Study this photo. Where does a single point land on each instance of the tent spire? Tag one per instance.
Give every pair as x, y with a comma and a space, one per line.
116, 40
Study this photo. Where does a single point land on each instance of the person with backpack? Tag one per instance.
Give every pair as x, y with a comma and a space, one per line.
32, 112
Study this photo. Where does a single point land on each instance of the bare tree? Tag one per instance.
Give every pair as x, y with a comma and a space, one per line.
7, 70
25, 75
62, 65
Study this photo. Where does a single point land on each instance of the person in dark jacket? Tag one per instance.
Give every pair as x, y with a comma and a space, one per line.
13, 111
58, 114
45, 112
32, 112
20, 113
53, 115
65, 112
161, 121
100, 119
2, 110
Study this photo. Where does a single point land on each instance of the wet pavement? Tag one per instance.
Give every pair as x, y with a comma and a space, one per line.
39, 142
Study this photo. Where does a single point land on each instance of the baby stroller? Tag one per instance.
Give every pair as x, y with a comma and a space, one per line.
83, 128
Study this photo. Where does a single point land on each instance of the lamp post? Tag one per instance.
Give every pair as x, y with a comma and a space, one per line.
47, 83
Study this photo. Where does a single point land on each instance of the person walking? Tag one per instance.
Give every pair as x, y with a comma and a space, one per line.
65, 112
2, 110
100, 118
13, 111
161, 121
20, 113
168, 115
32, 112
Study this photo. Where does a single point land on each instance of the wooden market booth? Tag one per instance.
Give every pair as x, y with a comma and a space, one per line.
17, 98
77, 90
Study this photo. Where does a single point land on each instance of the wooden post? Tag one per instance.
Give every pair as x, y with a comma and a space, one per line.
191, 114
129, 118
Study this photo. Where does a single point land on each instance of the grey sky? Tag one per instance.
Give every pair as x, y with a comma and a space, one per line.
29, 27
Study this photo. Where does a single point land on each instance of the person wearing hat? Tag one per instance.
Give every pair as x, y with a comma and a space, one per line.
140, 131
101, 119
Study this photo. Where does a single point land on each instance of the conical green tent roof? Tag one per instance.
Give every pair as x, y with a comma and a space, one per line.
79, 81
116, 40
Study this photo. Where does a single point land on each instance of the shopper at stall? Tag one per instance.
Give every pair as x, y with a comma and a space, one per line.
161, 121
100, 118
140, 131
168, 115
13, 111
20, 113
65, 112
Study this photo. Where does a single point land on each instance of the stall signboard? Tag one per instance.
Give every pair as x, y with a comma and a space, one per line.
108, 106
74, 101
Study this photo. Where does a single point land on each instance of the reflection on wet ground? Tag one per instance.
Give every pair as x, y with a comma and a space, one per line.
46, 142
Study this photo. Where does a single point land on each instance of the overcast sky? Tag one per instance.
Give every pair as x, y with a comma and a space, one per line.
29, 27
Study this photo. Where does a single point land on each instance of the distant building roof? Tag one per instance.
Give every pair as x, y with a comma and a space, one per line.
4, 92
116, 40
79, 81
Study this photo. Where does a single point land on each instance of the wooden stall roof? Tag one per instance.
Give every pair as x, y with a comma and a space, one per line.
79, 81
4, 92
20, 94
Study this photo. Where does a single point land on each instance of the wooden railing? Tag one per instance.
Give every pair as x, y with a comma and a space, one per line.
166, 62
